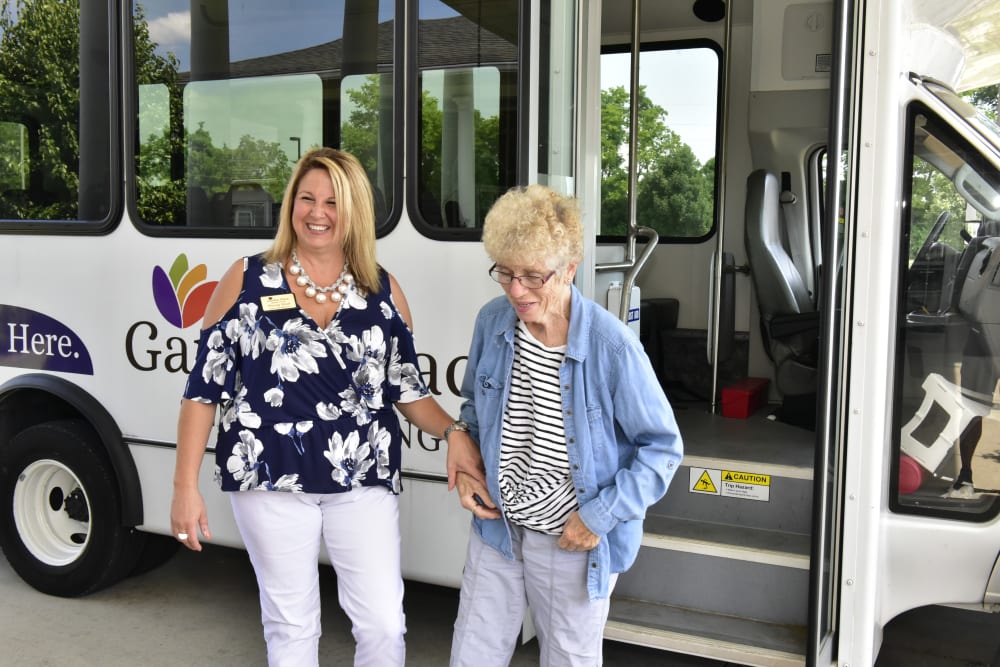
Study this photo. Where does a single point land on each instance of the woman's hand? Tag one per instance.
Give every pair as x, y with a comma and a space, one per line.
474, 497
187, 516
576, 536
464, 456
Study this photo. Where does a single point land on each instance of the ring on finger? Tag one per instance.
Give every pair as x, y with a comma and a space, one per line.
182, 536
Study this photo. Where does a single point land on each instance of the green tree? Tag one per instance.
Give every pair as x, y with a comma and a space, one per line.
986, 100
487, 164
678, 190
262, 162
13, 155
429, 170
40, 80
675, 192
933, 194
614, 174
486, 159
160, 188
207, 167
359, 136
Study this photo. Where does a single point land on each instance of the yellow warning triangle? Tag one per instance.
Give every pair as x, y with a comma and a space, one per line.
705, 483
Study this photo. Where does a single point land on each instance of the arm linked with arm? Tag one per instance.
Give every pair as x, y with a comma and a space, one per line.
463, 454
427, 415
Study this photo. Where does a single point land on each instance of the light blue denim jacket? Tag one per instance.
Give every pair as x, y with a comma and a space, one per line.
622, 439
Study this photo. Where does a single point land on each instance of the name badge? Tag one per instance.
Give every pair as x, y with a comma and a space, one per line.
277, 302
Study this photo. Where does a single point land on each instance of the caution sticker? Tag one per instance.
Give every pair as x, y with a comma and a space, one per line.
703, 482
746, 477
730, 483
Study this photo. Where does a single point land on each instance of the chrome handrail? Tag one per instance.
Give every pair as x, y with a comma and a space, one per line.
632, 268
631, 265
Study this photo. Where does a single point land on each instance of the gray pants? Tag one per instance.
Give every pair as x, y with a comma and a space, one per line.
496, 591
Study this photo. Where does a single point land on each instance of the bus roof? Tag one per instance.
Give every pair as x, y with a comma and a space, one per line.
957, 43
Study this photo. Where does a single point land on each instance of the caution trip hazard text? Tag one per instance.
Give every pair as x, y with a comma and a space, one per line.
730, 483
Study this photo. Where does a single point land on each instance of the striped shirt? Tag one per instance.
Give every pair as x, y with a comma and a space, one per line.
535, 484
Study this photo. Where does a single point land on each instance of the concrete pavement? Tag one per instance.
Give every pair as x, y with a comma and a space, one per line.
202, 609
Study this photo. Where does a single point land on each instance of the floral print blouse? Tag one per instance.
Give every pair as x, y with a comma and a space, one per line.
304, 408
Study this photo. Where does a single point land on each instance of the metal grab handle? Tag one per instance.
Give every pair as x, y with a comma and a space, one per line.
632, 268
632, 265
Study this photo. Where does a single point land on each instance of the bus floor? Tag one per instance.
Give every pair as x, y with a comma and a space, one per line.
202, 609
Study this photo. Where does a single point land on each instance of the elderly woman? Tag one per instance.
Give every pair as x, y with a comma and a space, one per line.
576, 436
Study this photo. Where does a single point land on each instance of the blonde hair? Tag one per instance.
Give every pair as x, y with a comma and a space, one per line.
355, 213
534, 224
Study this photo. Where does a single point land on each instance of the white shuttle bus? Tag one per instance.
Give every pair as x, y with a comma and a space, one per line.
800, 201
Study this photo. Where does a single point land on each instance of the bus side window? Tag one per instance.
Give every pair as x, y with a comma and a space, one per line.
227, 105
56, 145
466, 122
948, 460
677, 138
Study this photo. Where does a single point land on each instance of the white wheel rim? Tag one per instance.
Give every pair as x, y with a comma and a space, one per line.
43, 521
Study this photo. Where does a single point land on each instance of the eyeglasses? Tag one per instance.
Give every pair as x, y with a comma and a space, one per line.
530, 281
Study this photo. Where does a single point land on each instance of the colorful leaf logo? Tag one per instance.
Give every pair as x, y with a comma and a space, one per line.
183, 294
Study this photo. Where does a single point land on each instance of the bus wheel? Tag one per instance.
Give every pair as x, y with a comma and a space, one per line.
60, 512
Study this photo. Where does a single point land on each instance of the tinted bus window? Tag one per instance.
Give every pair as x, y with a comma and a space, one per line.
467, 111
55, 121
228, 102
678, 119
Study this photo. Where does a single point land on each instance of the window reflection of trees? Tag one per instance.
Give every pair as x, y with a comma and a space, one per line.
676, 191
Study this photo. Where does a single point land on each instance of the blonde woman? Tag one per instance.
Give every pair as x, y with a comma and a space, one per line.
306, 349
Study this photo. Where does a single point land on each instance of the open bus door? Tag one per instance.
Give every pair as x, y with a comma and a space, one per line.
827, 494
707, 613
745, 561
754, 601
909, 337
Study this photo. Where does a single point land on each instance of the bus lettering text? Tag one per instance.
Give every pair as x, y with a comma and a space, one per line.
423, 440
429, 372
30, 339
144, 356
40, 345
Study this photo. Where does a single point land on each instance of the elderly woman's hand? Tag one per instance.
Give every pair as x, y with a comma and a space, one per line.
474, 497
576, 536
463, 456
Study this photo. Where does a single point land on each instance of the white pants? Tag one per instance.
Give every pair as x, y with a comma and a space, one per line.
552, 581
282, 533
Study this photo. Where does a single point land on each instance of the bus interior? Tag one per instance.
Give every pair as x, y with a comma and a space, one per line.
748, 327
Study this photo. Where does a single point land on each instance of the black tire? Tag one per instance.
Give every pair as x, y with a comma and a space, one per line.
60, 511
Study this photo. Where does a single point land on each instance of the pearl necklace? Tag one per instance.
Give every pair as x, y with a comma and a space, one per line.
344, 282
